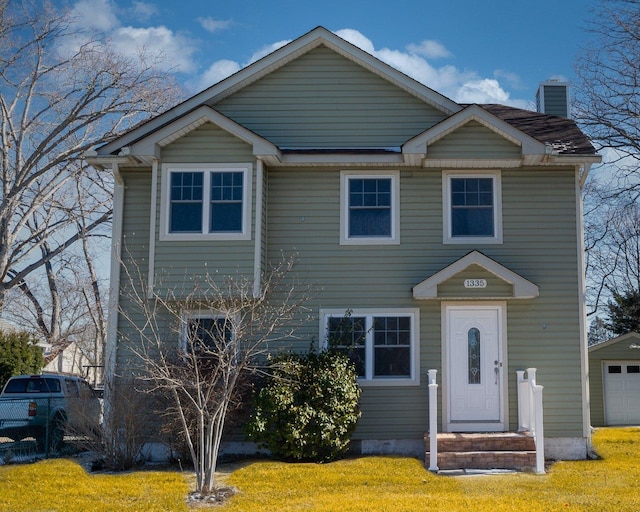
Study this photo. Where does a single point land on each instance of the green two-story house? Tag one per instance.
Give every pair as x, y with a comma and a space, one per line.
450, 233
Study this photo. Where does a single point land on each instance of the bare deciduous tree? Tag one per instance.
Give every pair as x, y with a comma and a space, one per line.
607, 99
62, 91
197, 347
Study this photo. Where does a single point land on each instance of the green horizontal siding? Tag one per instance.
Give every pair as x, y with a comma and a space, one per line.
207, 144
179, 265
473, 140
540, 244
322, 99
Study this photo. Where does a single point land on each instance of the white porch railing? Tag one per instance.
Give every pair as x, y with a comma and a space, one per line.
433, 421
530, 416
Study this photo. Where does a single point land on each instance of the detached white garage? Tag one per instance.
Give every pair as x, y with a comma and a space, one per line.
614, 381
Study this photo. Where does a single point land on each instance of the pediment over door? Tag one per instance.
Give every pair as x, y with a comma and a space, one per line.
475, 277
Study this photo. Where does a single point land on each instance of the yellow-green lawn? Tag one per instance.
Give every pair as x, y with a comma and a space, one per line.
363, 484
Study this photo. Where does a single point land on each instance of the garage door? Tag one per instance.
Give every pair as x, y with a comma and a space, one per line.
622, 392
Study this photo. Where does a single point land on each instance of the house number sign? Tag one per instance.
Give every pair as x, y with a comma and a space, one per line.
475, 283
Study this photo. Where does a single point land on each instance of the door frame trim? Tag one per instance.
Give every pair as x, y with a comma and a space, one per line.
503, 424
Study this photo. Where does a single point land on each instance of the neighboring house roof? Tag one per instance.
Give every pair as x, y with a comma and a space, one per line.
632, 338
537, 134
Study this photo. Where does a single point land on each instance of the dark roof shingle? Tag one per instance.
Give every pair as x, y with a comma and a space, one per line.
562, 134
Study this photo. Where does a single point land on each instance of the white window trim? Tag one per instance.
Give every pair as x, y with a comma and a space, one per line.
370, 380
165, 206
194, 314
395, 208
497, 208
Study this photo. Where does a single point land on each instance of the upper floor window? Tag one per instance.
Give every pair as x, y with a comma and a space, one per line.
382, 344
472, 208
206, 202
369, 208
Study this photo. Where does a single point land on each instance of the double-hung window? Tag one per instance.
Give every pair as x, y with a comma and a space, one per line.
206, 202
382, 344
369, 208
473, 208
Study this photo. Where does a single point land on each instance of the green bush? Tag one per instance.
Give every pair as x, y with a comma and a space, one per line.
308, 408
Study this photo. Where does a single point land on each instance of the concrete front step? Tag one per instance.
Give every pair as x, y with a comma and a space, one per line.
503, 450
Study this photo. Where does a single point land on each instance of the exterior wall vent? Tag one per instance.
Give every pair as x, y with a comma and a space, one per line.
553, 98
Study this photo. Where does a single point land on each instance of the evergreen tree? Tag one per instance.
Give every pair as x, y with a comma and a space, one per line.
624, 312
19, 355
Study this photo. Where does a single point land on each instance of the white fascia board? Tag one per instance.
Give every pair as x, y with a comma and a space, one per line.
522, 288
194, 119
420, 143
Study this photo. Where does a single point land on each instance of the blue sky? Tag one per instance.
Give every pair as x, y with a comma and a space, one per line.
471, 51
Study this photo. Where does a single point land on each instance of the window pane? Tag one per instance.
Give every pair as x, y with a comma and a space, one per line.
392, 362
472, 222
186, 218
207, 333
473, 341
615, 369
370, 207
226, 217
370, 223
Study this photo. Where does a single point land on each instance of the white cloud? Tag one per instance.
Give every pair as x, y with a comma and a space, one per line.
357, 39
213, 25
266, 50
219, 70
486, 90
143, 10
430, 50
95, 14
175, 51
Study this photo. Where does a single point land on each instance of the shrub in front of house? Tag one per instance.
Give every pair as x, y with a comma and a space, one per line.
308, 408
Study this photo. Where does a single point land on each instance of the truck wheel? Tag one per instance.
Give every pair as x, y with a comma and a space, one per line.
56, 435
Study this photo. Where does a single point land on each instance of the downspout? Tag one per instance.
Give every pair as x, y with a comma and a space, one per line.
257, 253
582, 287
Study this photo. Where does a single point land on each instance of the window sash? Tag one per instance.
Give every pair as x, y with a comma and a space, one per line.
369, 207
380, 345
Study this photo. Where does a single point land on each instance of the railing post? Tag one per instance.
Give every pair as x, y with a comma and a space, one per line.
433, 421
523, 403
537, 418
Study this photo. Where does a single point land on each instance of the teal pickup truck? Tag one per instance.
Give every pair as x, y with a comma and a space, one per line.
45, 406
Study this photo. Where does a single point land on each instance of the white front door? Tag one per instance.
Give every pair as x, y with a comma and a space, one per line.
475, 370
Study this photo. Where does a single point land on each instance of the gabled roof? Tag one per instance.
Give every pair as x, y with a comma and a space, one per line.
632, 338
522, 288
543, 139
319, 36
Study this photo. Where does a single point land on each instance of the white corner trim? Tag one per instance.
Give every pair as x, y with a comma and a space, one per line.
153, 218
